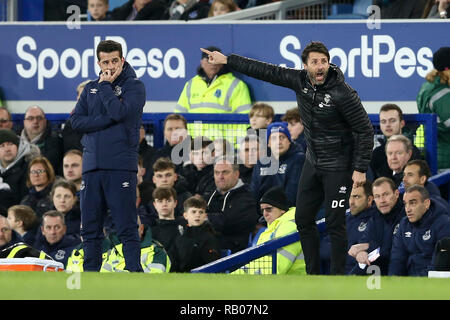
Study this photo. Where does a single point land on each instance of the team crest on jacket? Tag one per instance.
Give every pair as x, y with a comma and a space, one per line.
282, 168
427, 235
362, 226
118, 91
60, 254
218, 93
396, 228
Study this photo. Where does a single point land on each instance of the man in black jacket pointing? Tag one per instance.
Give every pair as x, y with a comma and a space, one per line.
339, 138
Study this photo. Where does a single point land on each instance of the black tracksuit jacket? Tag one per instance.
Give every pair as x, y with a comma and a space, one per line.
338, 132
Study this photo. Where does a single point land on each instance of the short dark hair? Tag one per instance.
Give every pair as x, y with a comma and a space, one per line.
378, 182
424, 169
392, 106
424, 194
175, 116
54, 214
202, 142
292, 115
109, 46
161, 193
367, 186
163, 164
314, 46
69, 185
194, 202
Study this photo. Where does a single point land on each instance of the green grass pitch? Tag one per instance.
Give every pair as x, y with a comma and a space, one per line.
123, 286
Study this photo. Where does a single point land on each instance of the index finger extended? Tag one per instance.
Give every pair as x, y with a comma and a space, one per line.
206, 51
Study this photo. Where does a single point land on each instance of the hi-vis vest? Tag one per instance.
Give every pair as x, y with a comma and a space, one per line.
154, 258
226, 94
21, 250
76, 260
290, 258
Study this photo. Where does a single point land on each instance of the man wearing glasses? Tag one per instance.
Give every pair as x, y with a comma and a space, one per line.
37, 130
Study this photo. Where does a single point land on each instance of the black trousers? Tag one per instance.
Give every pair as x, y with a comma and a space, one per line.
331, 188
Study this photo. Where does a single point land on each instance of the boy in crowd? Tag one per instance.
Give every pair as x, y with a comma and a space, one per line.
260, 116
295, 126
198, 245
23, 220
166, 228
98, 9
199, 173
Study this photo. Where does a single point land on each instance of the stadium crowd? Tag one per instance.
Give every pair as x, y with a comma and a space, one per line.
218, 197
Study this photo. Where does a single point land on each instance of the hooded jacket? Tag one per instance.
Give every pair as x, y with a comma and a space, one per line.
233, 215
110, 115
414, 243
338, 132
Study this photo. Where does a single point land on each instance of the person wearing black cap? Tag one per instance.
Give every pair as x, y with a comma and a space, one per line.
214, 90
14, 157
280, 222
434, 97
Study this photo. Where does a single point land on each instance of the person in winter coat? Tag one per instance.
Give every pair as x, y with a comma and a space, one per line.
109, 114
285, 166
198, 244
38, 131
23, 220
140, 10
41, 177
15, 155
232, 209
426, 223
339, 139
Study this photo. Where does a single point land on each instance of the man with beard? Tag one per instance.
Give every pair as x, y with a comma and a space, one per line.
339, 139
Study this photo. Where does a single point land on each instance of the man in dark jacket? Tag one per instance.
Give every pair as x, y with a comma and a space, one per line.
232, 209
391, 123
54, 240
284, 167
426, 223
339, 139
38, 130
109, 113
381, 228
14, 156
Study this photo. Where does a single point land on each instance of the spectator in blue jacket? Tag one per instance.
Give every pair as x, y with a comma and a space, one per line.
426, 223
54, 240
283, 167
109, 114
381, 227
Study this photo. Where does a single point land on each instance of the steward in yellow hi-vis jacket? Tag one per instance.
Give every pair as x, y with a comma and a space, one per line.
281, 222
154, 258
76, 259
22, 250
214, 90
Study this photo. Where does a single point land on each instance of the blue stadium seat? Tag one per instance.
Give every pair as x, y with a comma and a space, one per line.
347, 11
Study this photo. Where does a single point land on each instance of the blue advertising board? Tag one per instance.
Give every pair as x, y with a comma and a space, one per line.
47, 61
